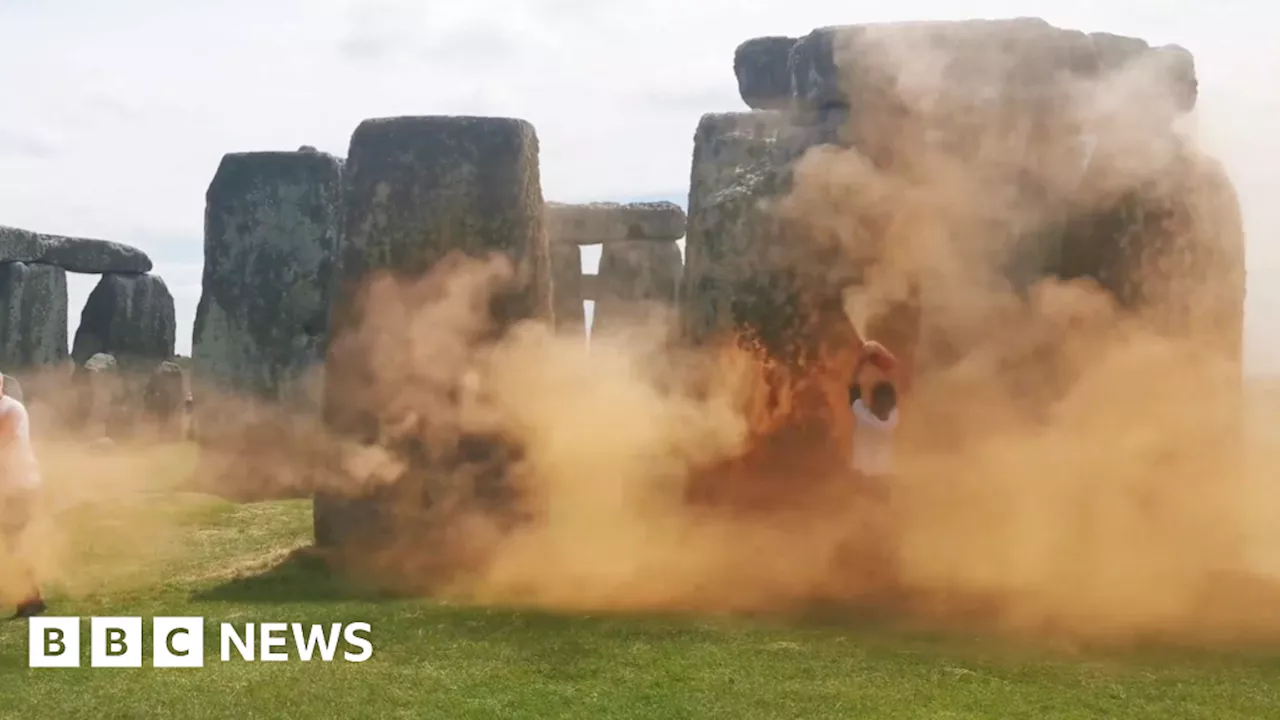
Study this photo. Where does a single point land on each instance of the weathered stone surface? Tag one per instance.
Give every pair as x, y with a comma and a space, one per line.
417, 192
735, 245
1171, 249
566, 279
636, 278
764, 77
727, 143
763, 124
860, 66
419, 188
270, 251
80, 255
736, 158
130, 317
591, 223
33, 315
101, 362
755, 282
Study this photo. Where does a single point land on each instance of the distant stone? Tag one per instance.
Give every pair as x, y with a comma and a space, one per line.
764, 80
636, 279
79, 255
100, 391
270, 246
33, 315
163, 400
567, 289
130, 317
591, 223
100, 362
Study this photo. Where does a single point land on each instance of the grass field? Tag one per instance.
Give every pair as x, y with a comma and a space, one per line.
237, 562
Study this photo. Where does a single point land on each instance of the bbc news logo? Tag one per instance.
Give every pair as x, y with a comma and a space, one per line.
179, 642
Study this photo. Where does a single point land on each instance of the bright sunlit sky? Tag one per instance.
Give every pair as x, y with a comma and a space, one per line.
116, 112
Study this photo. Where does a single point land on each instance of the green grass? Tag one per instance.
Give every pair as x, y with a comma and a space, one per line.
237, 563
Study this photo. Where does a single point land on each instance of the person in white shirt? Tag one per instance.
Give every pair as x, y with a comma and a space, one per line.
19, 490
874, 422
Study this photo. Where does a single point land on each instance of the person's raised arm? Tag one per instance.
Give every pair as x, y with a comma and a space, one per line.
869, 353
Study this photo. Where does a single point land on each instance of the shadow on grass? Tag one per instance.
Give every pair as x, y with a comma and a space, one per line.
303, 576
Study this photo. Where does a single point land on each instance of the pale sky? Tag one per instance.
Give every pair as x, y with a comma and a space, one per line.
116, 113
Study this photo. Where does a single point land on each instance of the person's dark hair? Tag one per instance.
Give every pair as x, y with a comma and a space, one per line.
884, 398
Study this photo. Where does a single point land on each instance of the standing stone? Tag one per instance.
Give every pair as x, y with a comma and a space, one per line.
164, 400
130, 317
100, 392
640, 262
423, 188
764, 78
726, 143
567, 288
33, 315
419, 192
1003, 107
636, 278
270, 251
755, 284
733, 154
1002, 110
748, 267
756, 281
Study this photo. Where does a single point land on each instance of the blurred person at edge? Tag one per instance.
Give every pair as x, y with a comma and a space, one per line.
20, 485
